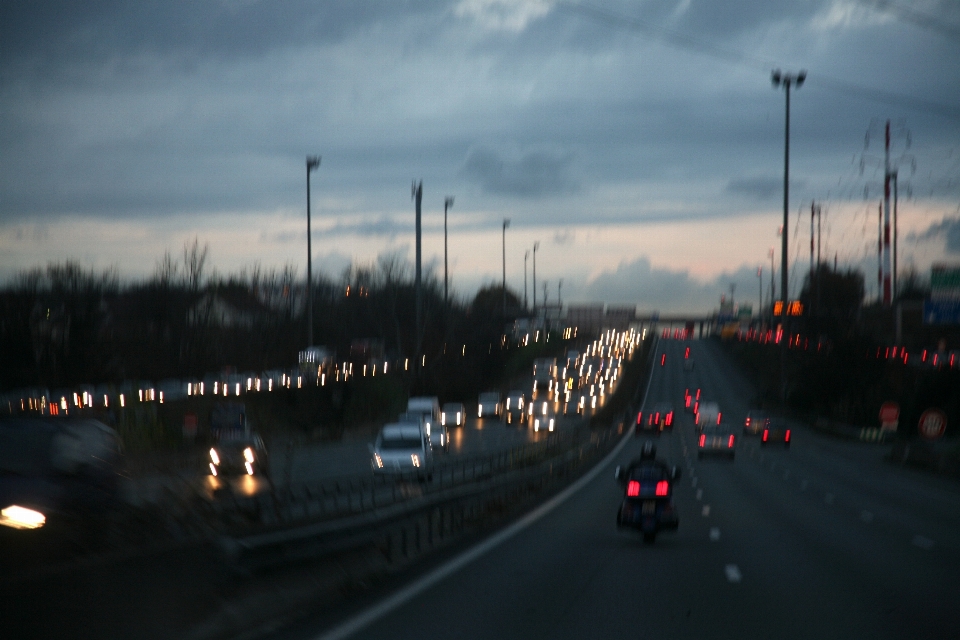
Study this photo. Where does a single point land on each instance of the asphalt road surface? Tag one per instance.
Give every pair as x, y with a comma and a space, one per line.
824, 540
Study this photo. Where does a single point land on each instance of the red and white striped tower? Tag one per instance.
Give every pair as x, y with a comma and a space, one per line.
886, 221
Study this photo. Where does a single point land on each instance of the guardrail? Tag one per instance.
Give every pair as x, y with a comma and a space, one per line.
402, 523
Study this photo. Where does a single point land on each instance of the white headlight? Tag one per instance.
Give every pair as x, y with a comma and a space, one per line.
214, 457
21, 518
415, 459
248, 455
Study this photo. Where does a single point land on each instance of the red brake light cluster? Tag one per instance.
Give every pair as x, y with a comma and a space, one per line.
633, 489
662, 487
747, 423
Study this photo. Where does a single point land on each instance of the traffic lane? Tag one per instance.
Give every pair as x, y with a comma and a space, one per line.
573, 575
859, 570
872, 490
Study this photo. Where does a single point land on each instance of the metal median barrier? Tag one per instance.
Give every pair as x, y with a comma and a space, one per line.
403, 517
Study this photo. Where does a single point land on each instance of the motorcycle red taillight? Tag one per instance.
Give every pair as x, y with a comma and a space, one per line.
662, 487
633, 489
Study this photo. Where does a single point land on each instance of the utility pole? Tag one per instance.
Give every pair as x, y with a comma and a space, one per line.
544, 298
894, 175
880, 253
760, 293
313, 163
417, 196
447, 203
559, 299
886, 219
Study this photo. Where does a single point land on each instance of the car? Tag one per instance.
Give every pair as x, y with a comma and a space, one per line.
716, 439
453, 414
706, 413
402, 449
488, 404
775, 432
755, 422
238, 453
546, 421
690, 400
514, 407
429, 406
437, 434
662, 415
538, 407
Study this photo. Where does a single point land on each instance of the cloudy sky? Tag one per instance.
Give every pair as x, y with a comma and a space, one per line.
639, 141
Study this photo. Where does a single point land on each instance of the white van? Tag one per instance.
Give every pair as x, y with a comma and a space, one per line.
429, 407
402, 448
708, 414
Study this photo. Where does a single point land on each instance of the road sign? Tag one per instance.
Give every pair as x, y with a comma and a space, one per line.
889, 416
941, 312
932, 424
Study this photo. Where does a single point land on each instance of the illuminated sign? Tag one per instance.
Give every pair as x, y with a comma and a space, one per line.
794, 308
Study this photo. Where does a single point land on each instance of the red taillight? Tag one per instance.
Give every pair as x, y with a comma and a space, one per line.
766, 434
633, 489
730, 442
924, 358
663, 359
662, 487
703, 440
698, 394
696, 407
718, 416
657, 419
640, 418
786, 438
686, 354
747, 423
686, 401
670, 419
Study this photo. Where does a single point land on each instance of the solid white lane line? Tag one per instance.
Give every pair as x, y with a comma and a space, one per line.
411, 591
923, 542
828, 498
693, 482
733, 573
706, 510
699, 494
866, 516
714, 534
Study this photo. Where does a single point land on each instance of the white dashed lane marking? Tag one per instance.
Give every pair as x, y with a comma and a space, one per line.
714, 534
706, 510
699, 494
693, 481
923, 542
733, 573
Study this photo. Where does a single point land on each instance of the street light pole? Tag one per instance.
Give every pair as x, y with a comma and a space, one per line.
506, 223
525, 256
760, 303
536, 245
447, 203
313, 162
786, 80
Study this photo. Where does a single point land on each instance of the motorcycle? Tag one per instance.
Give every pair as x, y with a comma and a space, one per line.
647, 504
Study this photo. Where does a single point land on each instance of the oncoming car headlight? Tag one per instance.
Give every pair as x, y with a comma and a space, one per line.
248, 455
378, 460
18, 517
415, 459
214, 457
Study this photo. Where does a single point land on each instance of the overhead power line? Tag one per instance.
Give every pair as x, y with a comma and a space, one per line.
757, 63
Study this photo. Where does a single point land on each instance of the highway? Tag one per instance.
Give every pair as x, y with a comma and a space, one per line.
824, 540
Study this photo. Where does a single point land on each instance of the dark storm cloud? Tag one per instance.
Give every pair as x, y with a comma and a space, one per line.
947, 229
65, 31
534, 174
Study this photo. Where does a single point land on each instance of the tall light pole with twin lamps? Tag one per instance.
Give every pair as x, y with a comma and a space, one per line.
447, 203
536, 245
526, 255
786, 80
506, 223
313, 162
